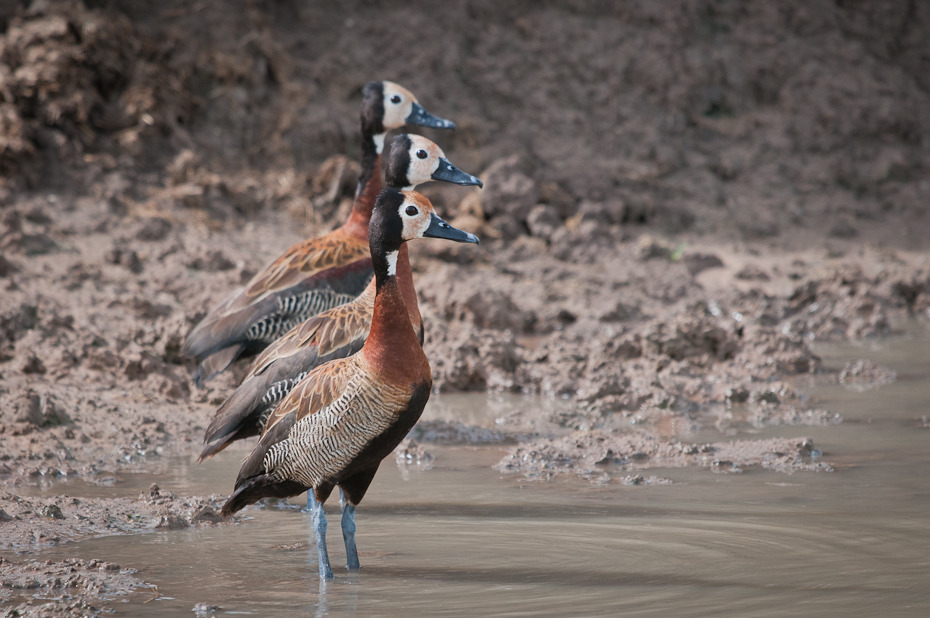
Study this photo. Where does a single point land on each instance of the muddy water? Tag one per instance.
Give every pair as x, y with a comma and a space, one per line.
460, 539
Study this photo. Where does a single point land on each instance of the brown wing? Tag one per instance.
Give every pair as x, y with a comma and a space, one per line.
329, 331
336, 333
321, 387
335, 264
305, 259
295, 339
346, 324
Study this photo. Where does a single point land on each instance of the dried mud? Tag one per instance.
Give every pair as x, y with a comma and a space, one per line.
678, 201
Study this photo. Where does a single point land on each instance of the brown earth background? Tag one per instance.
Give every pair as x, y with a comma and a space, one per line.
680, 197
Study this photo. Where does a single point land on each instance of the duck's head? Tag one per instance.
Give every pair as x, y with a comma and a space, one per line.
401, 215
390, 106
415, 160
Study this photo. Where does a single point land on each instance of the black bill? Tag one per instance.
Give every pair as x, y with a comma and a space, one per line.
450, 173
420, 116
440, 229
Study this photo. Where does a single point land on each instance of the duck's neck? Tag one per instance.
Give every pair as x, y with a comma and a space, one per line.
392, 345
405, 283
369, 185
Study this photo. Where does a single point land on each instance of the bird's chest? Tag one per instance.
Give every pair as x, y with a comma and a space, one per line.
364, 425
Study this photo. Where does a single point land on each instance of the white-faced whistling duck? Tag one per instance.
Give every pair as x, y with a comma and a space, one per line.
337, 332
334, 428
319, 273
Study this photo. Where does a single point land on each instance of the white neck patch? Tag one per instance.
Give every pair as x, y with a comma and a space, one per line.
392, 263
379, 142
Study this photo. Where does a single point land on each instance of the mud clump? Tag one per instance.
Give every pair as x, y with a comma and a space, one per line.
594, 454
71, 83
863, 374
70, 587
509, 198
29, 409
30, 523
692, 335
480, 361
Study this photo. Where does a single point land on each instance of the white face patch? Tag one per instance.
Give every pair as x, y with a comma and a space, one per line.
392, 263
379, 142
424, 160
398, 103
416, 217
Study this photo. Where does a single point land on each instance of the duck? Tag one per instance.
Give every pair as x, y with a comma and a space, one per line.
334, 428
318, 273
337, 332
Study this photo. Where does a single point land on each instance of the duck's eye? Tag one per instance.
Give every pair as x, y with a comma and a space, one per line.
395, 99
412, 210
421, 154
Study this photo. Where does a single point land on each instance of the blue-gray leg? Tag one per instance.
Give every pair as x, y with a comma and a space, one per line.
348, 535
319, 531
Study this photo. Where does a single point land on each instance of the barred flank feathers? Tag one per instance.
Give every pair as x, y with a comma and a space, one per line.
312, 302
254, 481
340, 431
245, 412
294, 309
254, 464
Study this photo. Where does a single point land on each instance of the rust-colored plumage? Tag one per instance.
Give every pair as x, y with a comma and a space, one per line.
304, 259
345, 416
336, 333
317, 274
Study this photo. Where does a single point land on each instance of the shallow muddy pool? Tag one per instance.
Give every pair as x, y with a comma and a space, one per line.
461, 539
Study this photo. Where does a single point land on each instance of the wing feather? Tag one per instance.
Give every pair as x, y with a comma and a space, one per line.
305, 260
318, 389
335, 264
336, 333
347, 324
